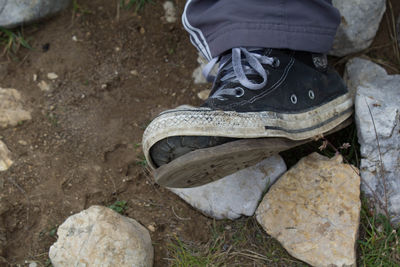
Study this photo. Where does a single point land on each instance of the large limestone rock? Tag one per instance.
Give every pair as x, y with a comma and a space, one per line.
236, 194
99, 236
5, 160
377, 112
11, 110
360, 22
313, 210
17, 12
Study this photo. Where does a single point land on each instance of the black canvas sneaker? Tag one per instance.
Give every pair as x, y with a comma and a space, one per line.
257, 93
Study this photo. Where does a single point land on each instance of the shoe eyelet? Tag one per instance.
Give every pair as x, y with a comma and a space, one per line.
293, 98
239, 92
276, 63
311, 94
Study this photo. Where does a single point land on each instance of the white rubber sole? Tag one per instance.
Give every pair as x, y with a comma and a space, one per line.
191, 121
210, 164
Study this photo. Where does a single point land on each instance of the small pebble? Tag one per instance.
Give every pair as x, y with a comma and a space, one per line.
151, 228
74, 38
134, 72
142, 30
34, 77
44, 86
203, 95
22, 142
52, 76
33, 264
170, 11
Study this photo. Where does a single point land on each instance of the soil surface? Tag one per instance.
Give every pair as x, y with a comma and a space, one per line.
82, 146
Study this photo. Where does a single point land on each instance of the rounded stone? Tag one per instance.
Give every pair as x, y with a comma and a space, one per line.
99, 236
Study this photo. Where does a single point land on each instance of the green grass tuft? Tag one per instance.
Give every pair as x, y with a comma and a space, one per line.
239, 243
141, 161
139, 4
78, 9
378, 244
11, 41
189, 255
119, 206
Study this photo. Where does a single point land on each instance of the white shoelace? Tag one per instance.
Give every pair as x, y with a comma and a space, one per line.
238, 69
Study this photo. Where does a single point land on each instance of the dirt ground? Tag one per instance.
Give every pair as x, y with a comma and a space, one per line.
82, 146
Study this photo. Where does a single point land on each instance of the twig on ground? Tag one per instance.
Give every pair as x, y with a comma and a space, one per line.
118, 10
392, 30
381, 166
180, 218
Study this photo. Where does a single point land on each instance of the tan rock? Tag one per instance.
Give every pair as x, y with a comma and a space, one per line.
203, 95
99, 236
44, 86
5, 161
11, 110
313, 210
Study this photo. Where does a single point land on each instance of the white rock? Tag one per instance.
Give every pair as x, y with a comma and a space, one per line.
360, 22
236, 194
44, 86
52, 76
11, 108
360, 71
5, 161
198, 72
170, 11
99, 236
377, 106
313, 210
14, 13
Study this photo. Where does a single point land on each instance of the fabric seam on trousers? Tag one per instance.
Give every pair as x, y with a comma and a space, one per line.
269, 27
197, 36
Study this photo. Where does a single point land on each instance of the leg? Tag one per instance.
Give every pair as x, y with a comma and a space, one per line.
216, 26
272, 82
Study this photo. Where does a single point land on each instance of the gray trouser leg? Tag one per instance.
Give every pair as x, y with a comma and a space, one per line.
219, 25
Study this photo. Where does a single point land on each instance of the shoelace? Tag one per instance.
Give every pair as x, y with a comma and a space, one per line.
237, 71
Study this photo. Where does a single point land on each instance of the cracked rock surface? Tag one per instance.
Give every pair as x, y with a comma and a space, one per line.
99, 236
377, 115
360, 21
236, 194
313, 210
